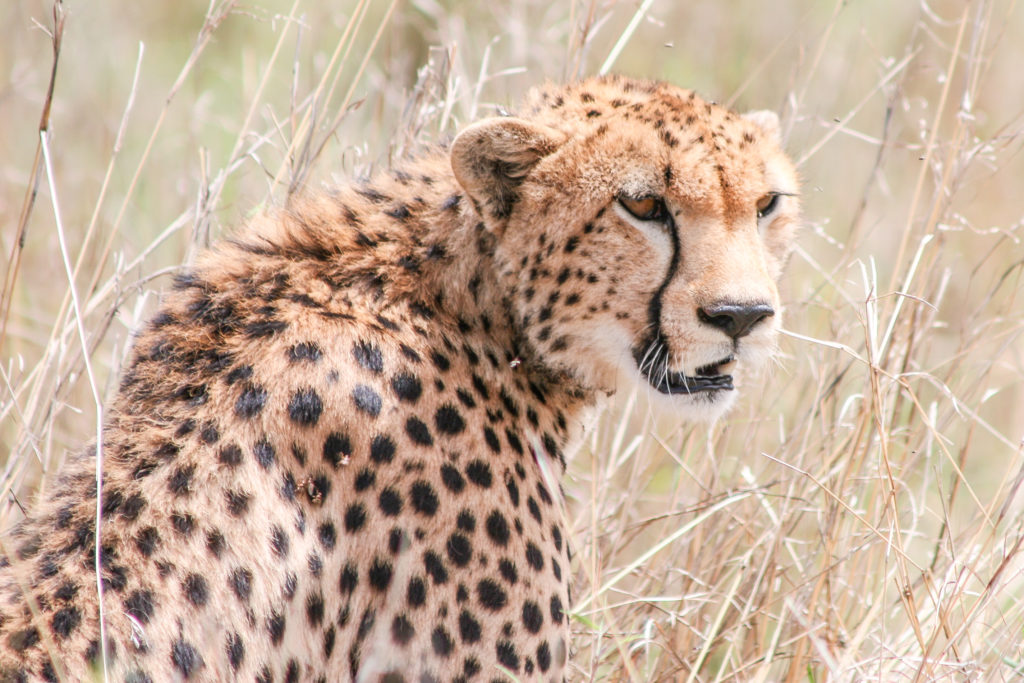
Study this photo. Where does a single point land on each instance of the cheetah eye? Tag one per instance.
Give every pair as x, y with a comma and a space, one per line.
767, 204
645, 208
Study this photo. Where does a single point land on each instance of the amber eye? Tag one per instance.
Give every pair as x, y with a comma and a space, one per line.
767, 204
646, 208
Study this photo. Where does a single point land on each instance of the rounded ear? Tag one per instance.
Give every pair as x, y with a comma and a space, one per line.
491, 158
766, 120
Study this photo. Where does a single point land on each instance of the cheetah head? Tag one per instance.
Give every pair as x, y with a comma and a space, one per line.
639, 232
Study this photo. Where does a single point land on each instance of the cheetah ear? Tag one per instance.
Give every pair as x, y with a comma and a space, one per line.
491, 158
766, 120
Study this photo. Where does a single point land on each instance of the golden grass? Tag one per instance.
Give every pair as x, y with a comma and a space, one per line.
857, 518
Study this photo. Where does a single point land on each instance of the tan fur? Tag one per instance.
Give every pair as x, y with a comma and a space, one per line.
432, 337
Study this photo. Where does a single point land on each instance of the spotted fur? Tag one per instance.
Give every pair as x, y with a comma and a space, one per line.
330, 458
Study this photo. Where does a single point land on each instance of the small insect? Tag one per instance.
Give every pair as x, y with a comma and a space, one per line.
312, 490
516, 362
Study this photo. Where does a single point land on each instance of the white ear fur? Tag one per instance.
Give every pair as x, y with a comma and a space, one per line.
766, 120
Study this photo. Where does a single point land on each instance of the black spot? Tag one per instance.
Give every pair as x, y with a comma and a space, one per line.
382, 449
407, 387
139, 606
513, 489
380, 574
327, 535
460, 552
315, 609
291, 582
209, 434
306, 351
230, 455
497, 528
185, 657
355, 517
365, 479
315, 564
66, 592
418, 432
250, 402
179, 481
349, 578
469, 628
183, 523
368, 356
435, 567
279, 541
215, 542
337, 448
448, 420
398, 541
481, 387
513, 441
424, 498
556, 609
264, 453
65, 621
466, 521
465, 398
508, 570
390, 502
241, 583
534, 556
239, 374
195, 589
235, 650
534, 509
416, 594
367, 400
452, 479
543, 656
492, 440
401, 630
147, 540
491, 595
543, 493
479, 472
132, 506
533, 618
238, 502
275, 627
305, 407
409, 353
440, 361
507, 655
441, 642
329, 637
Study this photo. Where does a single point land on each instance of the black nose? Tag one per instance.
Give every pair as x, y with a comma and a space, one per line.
736, 320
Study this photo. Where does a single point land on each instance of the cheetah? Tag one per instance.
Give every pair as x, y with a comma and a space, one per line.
335, 453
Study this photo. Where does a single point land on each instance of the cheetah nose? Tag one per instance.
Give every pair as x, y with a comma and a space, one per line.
736, 320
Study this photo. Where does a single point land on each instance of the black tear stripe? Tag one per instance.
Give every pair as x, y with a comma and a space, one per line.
654, 307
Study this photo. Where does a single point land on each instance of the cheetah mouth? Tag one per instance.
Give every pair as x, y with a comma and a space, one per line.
708, 378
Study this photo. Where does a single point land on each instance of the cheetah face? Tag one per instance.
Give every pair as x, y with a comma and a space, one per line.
640, 240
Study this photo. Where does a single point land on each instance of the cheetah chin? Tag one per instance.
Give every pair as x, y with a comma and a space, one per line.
335, 454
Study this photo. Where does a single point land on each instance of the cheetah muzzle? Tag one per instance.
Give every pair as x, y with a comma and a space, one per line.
330, 457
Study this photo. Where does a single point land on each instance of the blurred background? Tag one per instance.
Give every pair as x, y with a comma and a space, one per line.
856, 518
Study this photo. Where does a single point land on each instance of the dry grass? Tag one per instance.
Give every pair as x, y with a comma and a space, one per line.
857, 519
